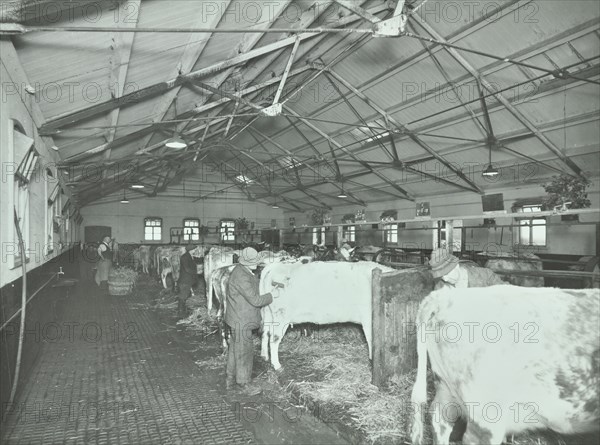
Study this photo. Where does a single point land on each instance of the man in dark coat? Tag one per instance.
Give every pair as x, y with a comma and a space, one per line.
187, 278
242, 315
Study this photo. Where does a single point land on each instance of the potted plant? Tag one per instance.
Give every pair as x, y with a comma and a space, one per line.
317, 217
203, 231
349, 218
242, 223
566, 192
389, 215
360, 215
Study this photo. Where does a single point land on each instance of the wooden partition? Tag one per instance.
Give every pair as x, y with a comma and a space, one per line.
396, 297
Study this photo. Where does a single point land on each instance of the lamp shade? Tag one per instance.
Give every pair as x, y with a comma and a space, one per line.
490, 171
176, 143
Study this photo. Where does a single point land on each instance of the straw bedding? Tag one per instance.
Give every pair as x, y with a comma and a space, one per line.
331, 370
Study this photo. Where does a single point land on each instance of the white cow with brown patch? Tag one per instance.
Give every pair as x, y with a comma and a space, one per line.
508, 359
320, 293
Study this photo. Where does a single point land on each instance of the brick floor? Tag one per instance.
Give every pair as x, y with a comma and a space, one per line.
110, 373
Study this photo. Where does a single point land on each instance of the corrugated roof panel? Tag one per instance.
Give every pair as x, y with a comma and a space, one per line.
544, 22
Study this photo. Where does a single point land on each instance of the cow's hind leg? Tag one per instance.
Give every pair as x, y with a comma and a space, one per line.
275, 340
445, 411
481, 431
264, 342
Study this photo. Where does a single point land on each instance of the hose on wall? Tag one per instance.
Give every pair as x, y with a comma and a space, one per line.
23, 306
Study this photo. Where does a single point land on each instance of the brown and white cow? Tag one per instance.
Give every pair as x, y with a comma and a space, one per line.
508, 359
216, 258
166, 259
141, 257
522, 262
318, 292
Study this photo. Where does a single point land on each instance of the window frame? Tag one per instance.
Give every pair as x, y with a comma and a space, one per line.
531, 223
440, 228
227, 230
22, 145
318, 236
194, 234
153, 227
349, 233
390, 233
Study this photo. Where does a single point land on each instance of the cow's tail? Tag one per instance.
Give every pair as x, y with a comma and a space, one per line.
419, 392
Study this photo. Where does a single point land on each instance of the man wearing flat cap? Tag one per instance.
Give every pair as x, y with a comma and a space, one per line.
188, 275
242, 315
449, 271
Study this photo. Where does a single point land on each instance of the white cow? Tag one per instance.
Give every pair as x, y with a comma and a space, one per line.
320, 293
219, 257
508, 359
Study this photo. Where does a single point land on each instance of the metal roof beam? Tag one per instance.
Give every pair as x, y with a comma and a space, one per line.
120, 58
506, 8
358, 201
352, 6
518, 114
189, 58
402, 128
162, 87
299, 185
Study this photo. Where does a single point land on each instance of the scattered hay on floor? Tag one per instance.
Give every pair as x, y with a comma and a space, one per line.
214, 362
386, 414
332, 368
200, 321
345, 376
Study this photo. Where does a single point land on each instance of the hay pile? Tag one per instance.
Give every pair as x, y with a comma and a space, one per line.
331, 367
201, 322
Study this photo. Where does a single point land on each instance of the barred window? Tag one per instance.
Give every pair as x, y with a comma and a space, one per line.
532, 231
153, 229
349, 233
227, 230
391, 233
191, 229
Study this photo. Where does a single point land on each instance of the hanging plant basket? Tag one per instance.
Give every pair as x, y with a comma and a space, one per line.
360, 215
317, 217
389, 215
242, 224
566, 192
348, 218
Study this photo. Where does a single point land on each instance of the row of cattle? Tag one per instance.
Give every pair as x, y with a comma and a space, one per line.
542, 372
538, 368
165, 259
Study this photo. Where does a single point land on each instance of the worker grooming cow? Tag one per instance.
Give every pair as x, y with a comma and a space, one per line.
242, 315
508, 359
448, 271
319, 293
218, 258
